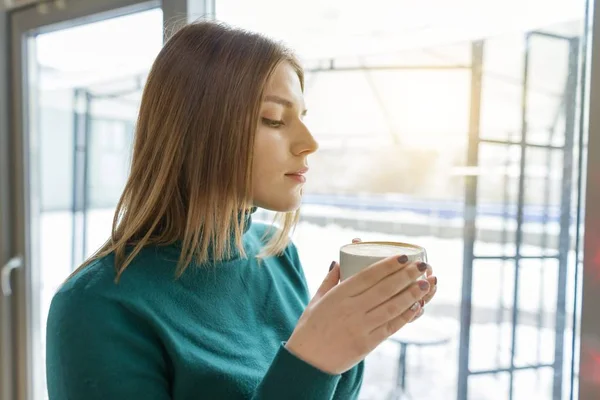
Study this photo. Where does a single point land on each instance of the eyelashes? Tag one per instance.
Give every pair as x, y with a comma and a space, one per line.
271, 123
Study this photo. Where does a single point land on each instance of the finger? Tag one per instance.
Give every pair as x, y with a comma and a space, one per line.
356, 240
432, 290
330, 281
386, 330
429, 271
419, 313
397, 305
391, 286
378, 271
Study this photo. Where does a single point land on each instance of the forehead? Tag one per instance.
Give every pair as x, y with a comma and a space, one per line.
285, 82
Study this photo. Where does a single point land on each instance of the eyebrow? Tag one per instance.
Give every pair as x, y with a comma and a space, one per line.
281, 101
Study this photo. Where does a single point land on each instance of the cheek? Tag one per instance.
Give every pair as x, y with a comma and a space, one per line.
262, 159
270, 150
263, 162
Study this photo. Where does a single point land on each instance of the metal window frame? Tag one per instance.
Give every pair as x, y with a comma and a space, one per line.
568, 107
589, 334
6, 244
19, 380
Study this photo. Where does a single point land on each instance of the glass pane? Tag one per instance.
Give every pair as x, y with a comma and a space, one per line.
394, 100
84, 88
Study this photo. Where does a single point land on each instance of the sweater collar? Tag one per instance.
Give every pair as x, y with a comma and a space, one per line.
247, 219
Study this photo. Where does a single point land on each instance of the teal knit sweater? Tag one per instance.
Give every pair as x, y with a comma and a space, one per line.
215, 333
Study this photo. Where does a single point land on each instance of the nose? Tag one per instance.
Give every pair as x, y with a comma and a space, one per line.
305, 143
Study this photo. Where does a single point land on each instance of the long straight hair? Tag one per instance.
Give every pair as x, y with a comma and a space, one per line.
191, 170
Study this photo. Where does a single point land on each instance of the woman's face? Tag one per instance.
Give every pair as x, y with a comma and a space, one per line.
282, 144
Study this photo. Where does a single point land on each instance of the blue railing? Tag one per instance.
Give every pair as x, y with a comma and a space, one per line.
445, 209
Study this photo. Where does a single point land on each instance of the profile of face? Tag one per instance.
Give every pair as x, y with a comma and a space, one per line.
282, 144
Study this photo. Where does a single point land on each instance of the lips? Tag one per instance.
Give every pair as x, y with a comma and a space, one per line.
299, 172
298, 176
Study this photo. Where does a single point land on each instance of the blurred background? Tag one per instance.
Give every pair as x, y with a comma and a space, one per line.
461, 126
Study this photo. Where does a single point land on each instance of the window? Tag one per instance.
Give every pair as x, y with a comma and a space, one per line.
455, 126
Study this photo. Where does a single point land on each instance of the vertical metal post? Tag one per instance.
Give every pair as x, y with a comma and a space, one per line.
547, 204
589, 361
470, 213
580, 192
564, 240
76, 184
520, 203
81, 136
6, 245
78, 149
506, 215
86, 173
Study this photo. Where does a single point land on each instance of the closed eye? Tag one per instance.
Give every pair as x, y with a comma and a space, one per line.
271, 123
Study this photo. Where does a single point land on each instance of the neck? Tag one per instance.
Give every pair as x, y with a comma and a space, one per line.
244, 216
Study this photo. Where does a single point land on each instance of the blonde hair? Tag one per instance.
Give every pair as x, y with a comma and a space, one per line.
191, 171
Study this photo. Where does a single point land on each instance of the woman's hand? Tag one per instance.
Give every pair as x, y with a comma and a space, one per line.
345, 321
432, 284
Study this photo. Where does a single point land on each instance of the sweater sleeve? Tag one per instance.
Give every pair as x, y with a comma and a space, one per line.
291, 378
349, 385
98, 349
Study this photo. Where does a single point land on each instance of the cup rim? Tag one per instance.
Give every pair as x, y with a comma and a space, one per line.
397, 244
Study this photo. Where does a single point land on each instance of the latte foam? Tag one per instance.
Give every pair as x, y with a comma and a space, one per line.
379, 250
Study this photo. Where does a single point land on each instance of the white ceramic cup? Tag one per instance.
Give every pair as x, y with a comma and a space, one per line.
355, 257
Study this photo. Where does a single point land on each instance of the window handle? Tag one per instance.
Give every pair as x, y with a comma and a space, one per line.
12, 264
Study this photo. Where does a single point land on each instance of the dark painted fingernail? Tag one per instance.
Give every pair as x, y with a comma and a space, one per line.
423, 285
435, 280
403, 259
422, 303
422, 267
331, 266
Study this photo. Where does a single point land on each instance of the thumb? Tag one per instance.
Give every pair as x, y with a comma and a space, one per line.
330, 281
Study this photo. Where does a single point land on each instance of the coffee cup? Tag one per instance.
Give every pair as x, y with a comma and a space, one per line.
355, 257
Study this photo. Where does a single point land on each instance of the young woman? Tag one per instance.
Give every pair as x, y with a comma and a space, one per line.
189, 299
